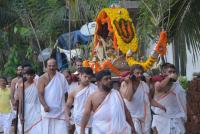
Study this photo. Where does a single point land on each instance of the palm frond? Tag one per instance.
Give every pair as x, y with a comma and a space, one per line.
180, 18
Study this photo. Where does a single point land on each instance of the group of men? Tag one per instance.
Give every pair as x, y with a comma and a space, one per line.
55, 104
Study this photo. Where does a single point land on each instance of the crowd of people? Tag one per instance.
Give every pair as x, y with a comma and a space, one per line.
63, 102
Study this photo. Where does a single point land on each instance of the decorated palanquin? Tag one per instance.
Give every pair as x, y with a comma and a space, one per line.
115, 43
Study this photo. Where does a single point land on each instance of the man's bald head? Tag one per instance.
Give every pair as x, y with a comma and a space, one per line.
51, 60
51, 65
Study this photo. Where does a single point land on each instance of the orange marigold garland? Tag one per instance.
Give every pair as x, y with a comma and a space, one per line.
108, 64
96, 67
123, 27
161, 47
115, 42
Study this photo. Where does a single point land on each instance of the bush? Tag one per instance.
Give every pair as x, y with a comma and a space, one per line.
184, 82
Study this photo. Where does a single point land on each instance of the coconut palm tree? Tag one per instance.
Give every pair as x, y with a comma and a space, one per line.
180, 18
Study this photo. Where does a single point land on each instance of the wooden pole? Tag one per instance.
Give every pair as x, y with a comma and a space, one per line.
23, 105
69, 30
17, 112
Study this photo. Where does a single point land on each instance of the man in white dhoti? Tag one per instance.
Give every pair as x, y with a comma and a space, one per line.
110, 113
170, 94
78, 97
52, 87
5, 106
32, 107
136, 96
73, 83
21, 70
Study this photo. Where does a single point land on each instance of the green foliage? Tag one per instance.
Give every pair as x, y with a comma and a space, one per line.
7, 17
12, 62
37, 23
30, 55
29, 52
23, 31
184, 82
86, 10
46, 17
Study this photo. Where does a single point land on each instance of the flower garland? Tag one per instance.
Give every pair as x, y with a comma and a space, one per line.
146, 65
161, 47
124, 39
120, 23
125, 30
96, 67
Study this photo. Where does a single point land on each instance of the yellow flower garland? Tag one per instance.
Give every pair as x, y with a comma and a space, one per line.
146, 65
115, 14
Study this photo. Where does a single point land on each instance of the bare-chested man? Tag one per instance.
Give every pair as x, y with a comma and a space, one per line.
169, 93
52, 87
78, 97
135, 93
73, 83
110, 113
14, 84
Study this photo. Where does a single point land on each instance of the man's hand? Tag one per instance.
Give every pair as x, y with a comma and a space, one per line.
133, 130
163, 108
69, 120
82, 132
21, 118
46, 108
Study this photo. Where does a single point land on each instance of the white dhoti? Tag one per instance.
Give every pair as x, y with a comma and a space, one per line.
110, 118
32, 123
139, 108
172, 121
54, 126
166, 125
5, 122
54, 121
79, 103
78, 129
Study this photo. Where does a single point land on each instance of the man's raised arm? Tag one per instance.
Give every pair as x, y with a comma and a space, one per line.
160, 86
126, 90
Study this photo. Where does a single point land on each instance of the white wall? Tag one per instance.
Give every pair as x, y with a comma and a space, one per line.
191, 68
